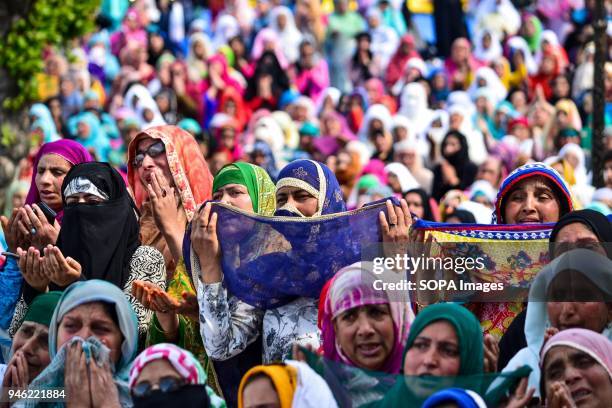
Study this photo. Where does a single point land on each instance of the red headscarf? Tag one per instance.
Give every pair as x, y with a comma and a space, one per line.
399, 59
191, 175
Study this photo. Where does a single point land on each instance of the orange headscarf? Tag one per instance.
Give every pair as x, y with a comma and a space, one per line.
191, 175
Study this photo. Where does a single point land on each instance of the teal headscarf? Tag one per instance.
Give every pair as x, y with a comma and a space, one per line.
78, 294
467, 328
97, 140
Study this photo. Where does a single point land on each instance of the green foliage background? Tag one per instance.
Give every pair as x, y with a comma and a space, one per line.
49, 22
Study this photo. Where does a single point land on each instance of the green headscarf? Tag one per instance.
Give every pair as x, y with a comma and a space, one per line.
467, 328
534, 40
368, 181
42, 307
258, 183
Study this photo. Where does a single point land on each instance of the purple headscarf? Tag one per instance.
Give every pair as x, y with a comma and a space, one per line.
69, 150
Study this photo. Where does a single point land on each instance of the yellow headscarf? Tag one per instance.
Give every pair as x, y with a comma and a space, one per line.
283, 377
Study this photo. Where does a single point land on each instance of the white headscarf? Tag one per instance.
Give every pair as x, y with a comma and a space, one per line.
226, 28
311, 390
413, 105
405, 178
487, 54
290, 37
493, 82
379, 112
580, 172
519, 43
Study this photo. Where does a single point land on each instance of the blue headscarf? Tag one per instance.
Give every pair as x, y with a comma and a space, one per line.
97, 140
44, 121
562, 190
460, 397
269, 164
317, 179
78, 294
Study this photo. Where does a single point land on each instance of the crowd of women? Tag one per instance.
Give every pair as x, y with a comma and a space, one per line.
189, 226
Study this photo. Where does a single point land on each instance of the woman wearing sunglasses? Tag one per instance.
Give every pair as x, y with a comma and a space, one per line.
165, 375
170, 179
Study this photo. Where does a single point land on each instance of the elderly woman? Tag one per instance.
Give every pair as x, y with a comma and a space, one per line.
165, 375
169, 179
98, 239
572, 291
577, 366
29, 225
577, 229
29, 352
93, 338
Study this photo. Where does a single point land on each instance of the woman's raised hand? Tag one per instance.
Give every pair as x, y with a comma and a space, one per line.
32, 268
58, 269
46, 233
13, 232
395, 228
206, 244
163, 203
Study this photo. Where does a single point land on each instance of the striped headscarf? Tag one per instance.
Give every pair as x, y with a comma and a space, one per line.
532, 170
353, 286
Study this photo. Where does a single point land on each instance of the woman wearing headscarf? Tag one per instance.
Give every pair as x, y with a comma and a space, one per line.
410, 155
573, 291
232, 103
42, 121
453, 335
351, 298
399, 178
286, 385
531, 181
29, 348
92, 368
281, 21
267, 84
218, 80
456, 170
311, 71
15, 196
487, 46
248, 188
405, 51
461, 65
169, 178
29, 226
576, 228
87, 130
99, 238
531, 30
178, 375
577, 369
486, 77
200, 50
413, 105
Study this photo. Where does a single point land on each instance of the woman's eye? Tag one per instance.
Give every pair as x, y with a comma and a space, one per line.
450, 351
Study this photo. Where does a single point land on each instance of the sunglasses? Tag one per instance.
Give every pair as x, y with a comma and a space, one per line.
166, 385
152, 151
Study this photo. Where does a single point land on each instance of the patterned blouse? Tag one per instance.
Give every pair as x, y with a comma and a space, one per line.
228, 325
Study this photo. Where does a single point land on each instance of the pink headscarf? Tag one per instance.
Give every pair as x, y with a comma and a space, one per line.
183, 362
264, 36
352, 287
376, 167
70, 151
596, 345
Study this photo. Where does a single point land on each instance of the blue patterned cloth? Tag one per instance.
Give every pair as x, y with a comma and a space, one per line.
269, 261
